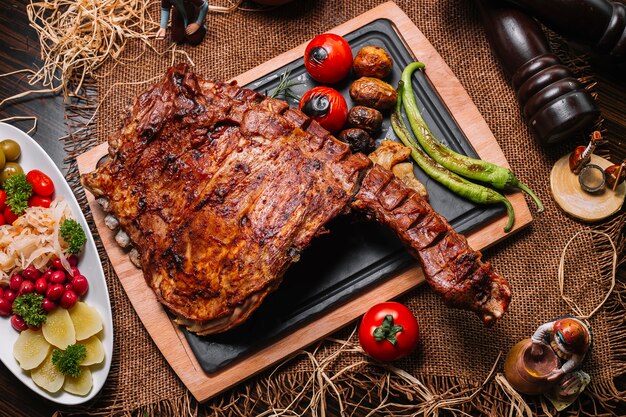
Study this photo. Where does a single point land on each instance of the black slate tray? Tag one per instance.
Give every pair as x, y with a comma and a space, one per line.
355, 254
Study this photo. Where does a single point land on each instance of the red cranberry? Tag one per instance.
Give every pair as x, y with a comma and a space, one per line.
55, 291
68, 299
15, 282
10, 295
26, 288
41, 286
69, 287
48, 305
58, 277
1, 292
57, 264
46, 275
75, 271
5, 307
72, 260
30, 273
80, 285
18, 323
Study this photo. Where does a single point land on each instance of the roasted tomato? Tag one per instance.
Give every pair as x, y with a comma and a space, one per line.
328, 58
388, 331
42, 184
327, 106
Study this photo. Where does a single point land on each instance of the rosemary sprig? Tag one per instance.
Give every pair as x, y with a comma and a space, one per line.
285, 87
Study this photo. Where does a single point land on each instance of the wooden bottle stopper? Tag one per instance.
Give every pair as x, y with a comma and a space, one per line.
554, 103
599, 24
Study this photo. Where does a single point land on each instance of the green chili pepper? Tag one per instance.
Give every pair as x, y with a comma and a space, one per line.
456, 184
475, 169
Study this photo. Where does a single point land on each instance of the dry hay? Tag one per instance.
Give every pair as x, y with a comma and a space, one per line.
78, 36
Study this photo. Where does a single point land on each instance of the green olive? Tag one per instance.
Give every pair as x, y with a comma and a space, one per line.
10, 169
2, 160
11, 149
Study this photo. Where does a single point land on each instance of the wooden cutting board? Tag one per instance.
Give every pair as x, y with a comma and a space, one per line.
170, 339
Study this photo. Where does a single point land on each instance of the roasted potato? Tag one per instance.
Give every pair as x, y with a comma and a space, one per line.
374, 93
372, 61
365, 118
358, 139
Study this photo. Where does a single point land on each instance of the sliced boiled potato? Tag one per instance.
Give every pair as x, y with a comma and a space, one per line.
30, 349
94, 351
59, 329
47, 376
81, 385
86, 319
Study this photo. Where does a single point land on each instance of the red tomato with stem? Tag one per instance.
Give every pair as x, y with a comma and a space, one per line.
328, 58
327, 106
42, 184
388, 331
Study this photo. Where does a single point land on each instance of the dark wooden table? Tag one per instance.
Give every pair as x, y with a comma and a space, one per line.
19, 48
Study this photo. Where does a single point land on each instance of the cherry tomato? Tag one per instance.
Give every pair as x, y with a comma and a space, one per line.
2, 222
42, 184
30, 273
48, 305
9, 216
388, 331
41, 286
57, 264
58, 277
68, 299
328, 58
10, 295
327, 106
80, 285
18, 323
26, 288
5, 307
15, 282
47, 274
72, 260
3, 199
39, 201
55, 292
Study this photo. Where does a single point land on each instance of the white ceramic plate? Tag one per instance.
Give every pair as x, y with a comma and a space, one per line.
34, 157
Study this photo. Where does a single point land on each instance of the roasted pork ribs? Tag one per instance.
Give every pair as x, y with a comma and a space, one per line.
220, 188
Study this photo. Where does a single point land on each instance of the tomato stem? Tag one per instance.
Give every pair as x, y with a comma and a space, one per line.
387, 330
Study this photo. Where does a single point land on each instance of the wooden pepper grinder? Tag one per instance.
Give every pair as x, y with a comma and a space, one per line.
554, 103
600, 24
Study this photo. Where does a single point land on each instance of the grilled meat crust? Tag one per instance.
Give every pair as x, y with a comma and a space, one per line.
452, 269
220, 188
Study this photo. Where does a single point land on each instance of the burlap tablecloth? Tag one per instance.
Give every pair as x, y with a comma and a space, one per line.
455, 353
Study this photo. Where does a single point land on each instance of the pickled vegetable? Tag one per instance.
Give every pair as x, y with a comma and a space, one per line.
59, 329
47, 376
86, 319
11, 149
11, 169
30, 349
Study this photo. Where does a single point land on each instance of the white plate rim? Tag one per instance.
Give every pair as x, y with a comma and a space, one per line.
89, 264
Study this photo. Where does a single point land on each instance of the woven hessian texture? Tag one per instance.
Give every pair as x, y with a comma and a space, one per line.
454, 345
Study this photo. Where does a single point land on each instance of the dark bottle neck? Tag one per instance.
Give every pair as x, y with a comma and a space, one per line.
553, 101
599, 24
